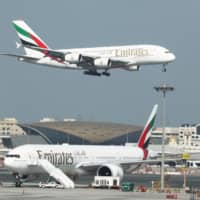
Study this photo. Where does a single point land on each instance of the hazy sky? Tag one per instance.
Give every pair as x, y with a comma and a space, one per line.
30, 92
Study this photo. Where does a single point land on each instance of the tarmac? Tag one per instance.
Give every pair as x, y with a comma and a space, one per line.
31, 190
29, 193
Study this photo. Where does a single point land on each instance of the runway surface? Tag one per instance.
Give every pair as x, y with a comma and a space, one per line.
139, 179
31, 191
8, 193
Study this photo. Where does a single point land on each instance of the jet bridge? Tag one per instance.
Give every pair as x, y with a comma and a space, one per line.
56, 173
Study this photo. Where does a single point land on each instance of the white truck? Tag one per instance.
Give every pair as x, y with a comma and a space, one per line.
106, 182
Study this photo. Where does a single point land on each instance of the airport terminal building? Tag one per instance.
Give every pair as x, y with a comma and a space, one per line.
82, 132
50, 131
13, 134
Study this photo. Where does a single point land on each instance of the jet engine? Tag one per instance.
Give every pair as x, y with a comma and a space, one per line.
110, 170
132, 68
102, 62
73, 58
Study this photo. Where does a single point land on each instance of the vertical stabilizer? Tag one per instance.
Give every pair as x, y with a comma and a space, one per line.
29, 38
146, 133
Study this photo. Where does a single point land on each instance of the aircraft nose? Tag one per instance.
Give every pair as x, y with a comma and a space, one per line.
8, 163
173, 57
169, 57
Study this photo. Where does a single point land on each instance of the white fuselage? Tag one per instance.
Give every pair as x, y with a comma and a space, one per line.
121, 57
23, 159
91, 60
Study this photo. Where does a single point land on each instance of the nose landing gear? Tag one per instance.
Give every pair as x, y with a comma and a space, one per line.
164, 69
18, 181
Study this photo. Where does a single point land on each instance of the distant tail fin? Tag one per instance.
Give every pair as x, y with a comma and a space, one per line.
29, 38
146, 133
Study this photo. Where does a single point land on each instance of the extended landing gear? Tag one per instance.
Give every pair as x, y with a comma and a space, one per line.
93, 73
18, 181
106, 73
164, 69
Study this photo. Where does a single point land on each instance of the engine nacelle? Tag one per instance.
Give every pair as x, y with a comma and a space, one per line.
73, 58
133, 68
102, 62
110, 170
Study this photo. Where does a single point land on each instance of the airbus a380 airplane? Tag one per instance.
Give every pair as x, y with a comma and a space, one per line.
89, 59
58, 160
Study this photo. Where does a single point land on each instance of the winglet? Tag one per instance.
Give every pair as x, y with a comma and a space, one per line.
146, 133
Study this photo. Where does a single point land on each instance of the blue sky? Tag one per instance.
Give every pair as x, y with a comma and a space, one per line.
30, 92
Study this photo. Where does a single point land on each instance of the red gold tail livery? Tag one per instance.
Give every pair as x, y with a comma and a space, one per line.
146, 133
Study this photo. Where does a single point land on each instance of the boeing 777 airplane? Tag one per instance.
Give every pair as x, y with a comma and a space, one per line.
59, 160
91, 60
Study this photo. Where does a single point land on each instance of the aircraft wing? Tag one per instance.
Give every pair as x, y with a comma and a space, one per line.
87, 60
19, 57
49, 52
61, 55
151, 161
125, 164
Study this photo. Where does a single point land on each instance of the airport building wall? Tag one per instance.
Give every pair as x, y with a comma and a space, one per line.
13, 134
85, 133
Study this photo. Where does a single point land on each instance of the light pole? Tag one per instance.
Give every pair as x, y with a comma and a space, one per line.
164, 89
127, 136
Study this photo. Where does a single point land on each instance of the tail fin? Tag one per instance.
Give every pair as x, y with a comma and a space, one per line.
146, 133
29, 38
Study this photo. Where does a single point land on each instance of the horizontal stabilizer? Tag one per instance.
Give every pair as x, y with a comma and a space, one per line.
19, 57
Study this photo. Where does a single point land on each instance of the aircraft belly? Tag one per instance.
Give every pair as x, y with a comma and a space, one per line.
103, 67
55, 64
32, 170
149, 60
68, 169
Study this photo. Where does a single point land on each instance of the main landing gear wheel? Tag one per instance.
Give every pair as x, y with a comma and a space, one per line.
106, 73
93, 73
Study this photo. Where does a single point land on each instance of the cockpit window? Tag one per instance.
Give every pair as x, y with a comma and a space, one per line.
198, 164
167, 51
13, 156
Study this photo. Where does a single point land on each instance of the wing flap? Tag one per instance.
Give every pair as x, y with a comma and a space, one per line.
86, 165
